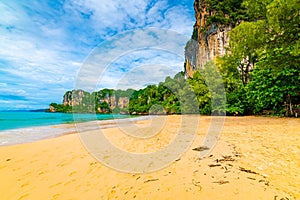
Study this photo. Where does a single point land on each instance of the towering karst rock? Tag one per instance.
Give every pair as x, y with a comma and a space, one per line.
209, 40
83, 98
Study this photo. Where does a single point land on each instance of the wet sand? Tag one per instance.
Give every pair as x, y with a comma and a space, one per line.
255, 158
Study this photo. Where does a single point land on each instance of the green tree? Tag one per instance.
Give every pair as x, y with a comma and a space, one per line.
270, 45
269, 89
246, 41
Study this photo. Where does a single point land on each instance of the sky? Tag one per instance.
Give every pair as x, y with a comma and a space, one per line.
51, 46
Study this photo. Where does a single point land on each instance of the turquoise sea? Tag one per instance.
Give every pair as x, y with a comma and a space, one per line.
13, 120
22, 127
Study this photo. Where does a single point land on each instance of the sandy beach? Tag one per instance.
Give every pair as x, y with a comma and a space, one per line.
254, 158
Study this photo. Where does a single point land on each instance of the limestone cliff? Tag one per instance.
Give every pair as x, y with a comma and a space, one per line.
209, 38
103, 100
74, 98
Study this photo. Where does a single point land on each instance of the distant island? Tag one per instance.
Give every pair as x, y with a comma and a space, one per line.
38, 110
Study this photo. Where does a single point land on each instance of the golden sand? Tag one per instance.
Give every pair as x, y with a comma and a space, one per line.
255, 158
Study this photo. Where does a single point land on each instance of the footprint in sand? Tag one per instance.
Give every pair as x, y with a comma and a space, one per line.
24, 196
56, 184
25, 184
2, 167
90, 170
69, 182
93, 163
61, 165
72, 173
16, 169
33, 161
78, 187
55, 196
27, 174
111, 194
41, 173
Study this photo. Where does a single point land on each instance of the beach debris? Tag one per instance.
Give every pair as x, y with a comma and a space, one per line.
285, 198
247, 170
267, 183
155, 179
251, 178
167, 174
93, 163
221, 182
264, 181
214, 165
177, 159
226, 170
237, 154
8, 159
201, 148
225, 159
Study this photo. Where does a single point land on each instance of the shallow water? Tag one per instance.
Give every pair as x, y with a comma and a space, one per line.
23, 127
13, 120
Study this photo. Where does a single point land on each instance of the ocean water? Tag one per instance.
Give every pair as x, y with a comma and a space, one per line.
13, 120
23, 127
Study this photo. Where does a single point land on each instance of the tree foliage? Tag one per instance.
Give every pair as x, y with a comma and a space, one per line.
225, 12
265, 53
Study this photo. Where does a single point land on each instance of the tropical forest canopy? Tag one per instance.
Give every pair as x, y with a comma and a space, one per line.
261, 66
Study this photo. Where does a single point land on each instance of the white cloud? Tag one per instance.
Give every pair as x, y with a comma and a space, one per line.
179, 22
143, 75
117, 16
110, 61
114, 15
43, 44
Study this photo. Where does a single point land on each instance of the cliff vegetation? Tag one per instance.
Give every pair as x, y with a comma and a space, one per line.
255, 44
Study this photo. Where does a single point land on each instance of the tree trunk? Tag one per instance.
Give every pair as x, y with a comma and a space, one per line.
288, 106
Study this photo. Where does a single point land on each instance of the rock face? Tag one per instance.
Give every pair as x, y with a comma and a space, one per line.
114, 101
52, 109
73, 98
208, 40
109, 99
83, 98
123, 102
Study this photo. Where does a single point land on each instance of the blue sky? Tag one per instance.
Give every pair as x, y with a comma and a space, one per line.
44, 46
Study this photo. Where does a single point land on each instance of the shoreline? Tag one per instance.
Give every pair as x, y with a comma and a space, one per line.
33, 133
57, 130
